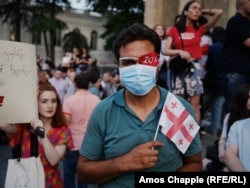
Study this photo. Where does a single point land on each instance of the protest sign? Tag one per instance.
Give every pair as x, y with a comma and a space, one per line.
18, 82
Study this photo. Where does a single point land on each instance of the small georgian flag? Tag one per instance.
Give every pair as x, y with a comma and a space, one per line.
177, 124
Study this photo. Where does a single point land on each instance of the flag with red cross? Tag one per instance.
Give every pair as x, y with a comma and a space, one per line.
177, 123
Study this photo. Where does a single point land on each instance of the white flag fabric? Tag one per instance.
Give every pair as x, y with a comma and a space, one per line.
177, 124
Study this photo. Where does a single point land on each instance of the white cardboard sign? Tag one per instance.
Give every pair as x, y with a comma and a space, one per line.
18, 82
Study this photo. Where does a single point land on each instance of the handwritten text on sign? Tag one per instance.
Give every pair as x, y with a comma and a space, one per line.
18, 82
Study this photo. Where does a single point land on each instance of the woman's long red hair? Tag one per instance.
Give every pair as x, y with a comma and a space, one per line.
58, 119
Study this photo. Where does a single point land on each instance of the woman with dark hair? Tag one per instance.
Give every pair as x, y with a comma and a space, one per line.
240, 109
236, 154
76, 56
56, 139
184, 40
85, 60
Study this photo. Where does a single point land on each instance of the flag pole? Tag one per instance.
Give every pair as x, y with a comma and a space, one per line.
156, 132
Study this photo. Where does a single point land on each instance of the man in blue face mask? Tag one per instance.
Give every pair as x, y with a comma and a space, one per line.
138, 75
120, 133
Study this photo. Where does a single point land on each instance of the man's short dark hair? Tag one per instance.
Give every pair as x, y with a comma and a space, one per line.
82, 80
218, 34
134, 32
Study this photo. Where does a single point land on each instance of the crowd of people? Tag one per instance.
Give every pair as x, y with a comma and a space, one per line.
102, 127
219, 72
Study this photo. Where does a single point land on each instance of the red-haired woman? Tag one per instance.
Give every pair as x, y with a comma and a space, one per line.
57, 137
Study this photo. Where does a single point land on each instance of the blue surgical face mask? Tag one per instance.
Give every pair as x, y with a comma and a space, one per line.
138, 79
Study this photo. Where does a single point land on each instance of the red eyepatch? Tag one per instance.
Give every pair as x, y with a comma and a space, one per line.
151, 59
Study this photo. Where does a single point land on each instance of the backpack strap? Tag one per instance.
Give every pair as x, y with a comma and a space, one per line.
33, 145
17, 150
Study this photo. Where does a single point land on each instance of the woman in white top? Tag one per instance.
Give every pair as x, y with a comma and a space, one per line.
162, 78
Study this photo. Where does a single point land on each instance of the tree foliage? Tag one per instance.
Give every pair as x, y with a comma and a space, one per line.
17, 14
120, 14
46, 22
74, 38
36, 16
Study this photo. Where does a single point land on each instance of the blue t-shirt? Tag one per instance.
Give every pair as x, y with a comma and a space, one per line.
239, 134
113, 130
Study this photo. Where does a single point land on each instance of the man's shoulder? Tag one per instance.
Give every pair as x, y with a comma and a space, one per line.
69, 98
64, 80
93, 97
235, 19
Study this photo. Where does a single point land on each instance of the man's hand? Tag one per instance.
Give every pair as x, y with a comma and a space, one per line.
141, 157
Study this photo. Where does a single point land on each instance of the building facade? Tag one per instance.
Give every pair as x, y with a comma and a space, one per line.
164, 11
90, 25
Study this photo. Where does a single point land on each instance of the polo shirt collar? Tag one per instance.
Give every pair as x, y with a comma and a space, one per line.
119, 97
